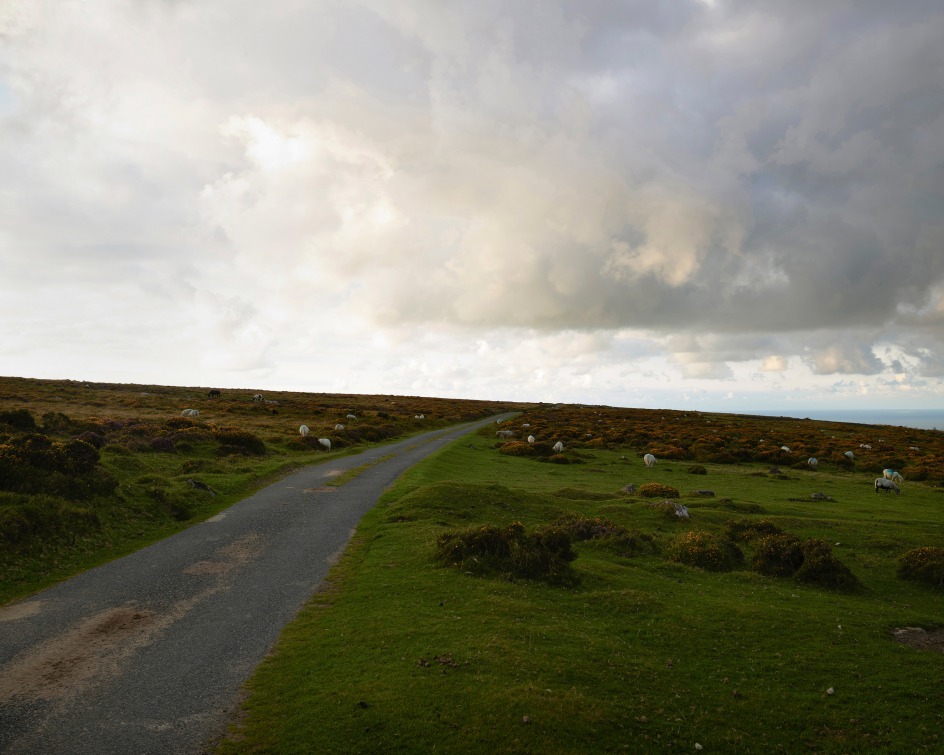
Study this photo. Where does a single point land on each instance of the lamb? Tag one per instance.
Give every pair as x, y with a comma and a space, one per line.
649, 460
812, 462
303, 431
891, 474
887, 485
559, 447
326, 443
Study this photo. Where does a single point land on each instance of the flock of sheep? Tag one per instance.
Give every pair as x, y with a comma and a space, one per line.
889, 481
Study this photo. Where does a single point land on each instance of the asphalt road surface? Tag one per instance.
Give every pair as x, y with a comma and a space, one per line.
148, 654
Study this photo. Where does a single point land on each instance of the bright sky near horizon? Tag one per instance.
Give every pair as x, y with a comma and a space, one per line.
703, 204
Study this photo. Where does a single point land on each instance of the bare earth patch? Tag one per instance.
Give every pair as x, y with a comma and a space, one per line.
920, 639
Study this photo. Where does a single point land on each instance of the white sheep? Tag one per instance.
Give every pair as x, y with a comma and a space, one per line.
887, 485
849, 455
526, 425
812, 462
649, 460
419, 416
559, 447
891, 474
866, 446
326, 442
351, 416
530, 439
913, 448
785, 448
303, 430
190, 413
339, 426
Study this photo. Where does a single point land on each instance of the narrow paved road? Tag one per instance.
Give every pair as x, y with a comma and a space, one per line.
148, 654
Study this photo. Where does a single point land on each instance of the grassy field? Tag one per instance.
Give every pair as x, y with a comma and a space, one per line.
634, 651
92, 471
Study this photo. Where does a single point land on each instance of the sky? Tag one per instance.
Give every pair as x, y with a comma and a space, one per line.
698, 204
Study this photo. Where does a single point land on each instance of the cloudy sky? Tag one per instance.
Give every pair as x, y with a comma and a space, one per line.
703, 204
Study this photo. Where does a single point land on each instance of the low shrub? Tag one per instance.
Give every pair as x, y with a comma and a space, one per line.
706, 550
235, 440
748, 529
510, 552
821, 568
18, 419
697, 469
657, 490
778, 555
924, 565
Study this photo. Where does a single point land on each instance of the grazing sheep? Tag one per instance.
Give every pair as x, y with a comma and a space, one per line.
849, 455
812, 462
530, 439
913, 448
649, 460
866, 446
351, 416
190, 413
526, 425
339, 426
891, 474
303, 431
559, 447
785, 448
326, 443
419, 416
257, 397
887, 485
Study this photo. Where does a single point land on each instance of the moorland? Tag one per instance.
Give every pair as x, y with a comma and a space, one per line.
508, 596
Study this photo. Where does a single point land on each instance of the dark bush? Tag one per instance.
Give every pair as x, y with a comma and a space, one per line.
657, 490
748, 529
925, 565
821, 568
778, 555
18, 419
706, 551
510, 552
163, 445
697, 469
232, 438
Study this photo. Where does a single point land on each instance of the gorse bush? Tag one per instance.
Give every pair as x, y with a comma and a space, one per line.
34, 463
749, 529
706, 550
821, 567
778, 555
235, 440
924, 565
18, 419
510, 552
657, 490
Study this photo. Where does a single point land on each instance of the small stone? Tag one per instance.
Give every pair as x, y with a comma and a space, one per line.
830, 691
526, 719
698, 746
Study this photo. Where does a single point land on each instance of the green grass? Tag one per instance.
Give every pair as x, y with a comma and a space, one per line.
644, 655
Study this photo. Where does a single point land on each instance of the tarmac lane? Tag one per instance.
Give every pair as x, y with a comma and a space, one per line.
148, 653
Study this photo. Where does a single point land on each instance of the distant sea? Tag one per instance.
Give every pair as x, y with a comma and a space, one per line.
924, 419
